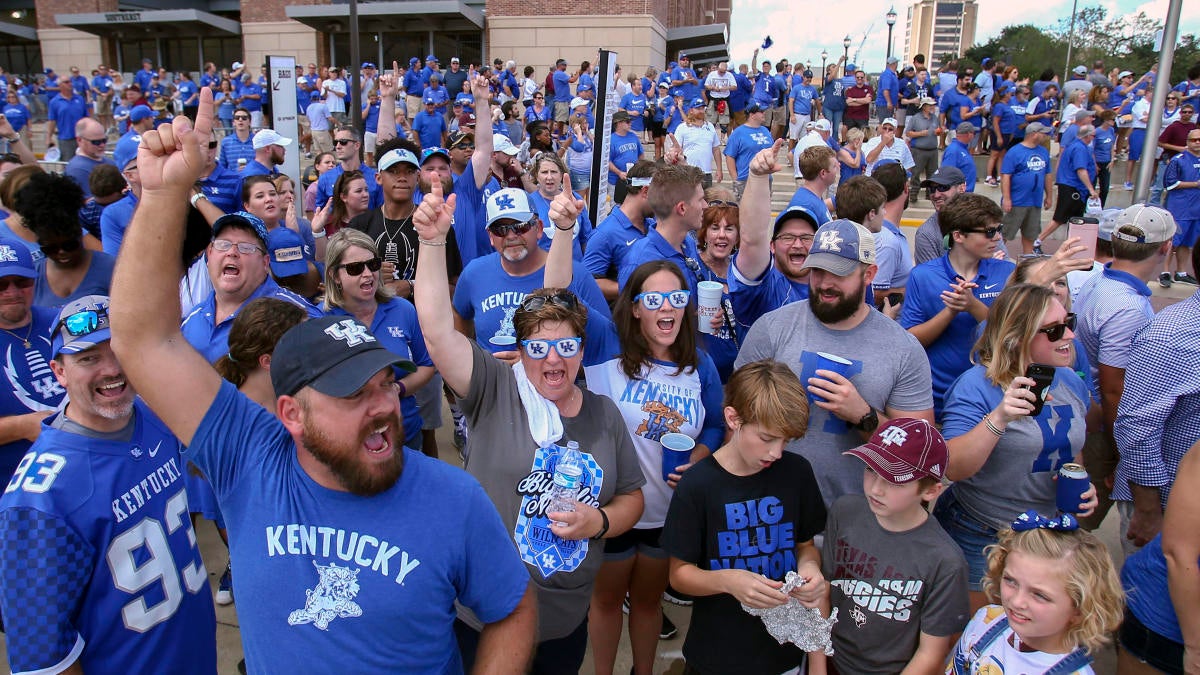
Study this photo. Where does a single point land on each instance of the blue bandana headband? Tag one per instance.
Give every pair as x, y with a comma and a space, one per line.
1032, 520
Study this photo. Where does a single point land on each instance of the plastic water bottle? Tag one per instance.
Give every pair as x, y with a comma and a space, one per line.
568, 476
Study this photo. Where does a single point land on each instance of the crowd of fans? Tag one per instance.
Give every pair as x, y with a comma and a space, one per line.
889, 421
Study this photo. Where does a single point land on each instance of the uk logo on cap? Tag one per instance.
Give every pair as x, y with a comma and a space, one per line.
349, 331
830, 241
505, 203
7, 254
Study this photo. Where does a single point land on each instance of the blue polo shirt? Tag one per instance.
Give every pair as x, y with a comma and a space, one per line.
744, 143
752, 298
1077, 156
606, 250
429, 127
212, 339
66, 113
328, 179
949, 355
654, 247
223, 188
951, 104
888, 81
959, 155
815, 204
233, 149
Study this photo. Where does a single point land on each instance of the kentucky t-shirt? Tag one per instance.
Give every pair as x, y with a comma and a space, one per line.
28, 385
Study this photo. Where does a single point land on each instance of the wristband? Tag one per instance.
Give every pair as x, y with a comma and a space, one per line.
320, 234
430, 242
564, 229
197, 197
603, 527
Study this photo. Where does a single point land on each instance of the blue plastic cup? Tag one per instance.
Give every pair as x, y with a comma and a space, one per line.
502, 343
677, 451
826, 361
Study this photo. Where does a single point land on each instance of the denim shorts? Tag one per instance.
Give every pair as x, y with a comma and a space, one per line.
971, 535
1149, 647
580, 180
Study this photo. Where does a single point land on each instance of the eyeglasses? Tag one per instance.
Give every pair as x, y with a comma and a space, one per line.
356, 268
343, 141
20, 282
989, 232
83, 323
567, 347
64, 246
539, 98
1055, 331
502, 230
463, 146
241, 117
653, 300
789, 239
564, 299
243, 247
97, 141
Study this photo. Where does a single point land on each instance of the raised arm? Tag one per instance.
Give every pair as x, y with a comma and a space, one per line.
172, 377
388, 85
564, 211
481, 158
754, 254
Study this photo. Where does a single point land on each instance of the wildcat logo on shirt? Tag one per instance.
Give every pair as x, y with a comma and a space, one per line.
890, 597
667, 407
536, 542
332, 597
32, 373
757, 537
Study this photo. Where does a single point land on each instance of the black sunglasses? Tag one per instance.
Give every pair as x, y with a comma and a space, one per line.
721, 202
989, 232
241, 117
501, 230
343, 141
1055, 331
564, 299
65, 246
97, 141
356, 268
20, 282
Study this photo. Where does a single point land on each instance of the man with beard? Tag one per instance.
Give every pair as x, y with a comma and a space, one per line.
98, 505
269, 151
768, 271
491, 287
948, 297
883, 371
335, 523
346, 145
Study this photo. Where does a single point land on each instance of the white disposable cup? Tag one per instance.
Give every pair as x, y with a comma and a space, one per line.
708, 303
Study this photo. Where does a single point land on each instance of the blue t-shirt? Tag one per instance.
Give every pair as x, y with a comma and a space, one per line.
469, 220
489, 296
29, 386
1008, 118
958, 155
951, 104
66, 113
328, 180
583, 225
1103, 143
654, 247
752, 298
606, 251
744, 143
17, 115
739, 97
95, 281
1077, 156
562, 87
833, 98
636, 105
102, 83
440, 96
1183, 203
113, 221
814, 203
212, 339
889, 81
1147, 595
430, 128
323, 572
623, 151
80, 168
371, 118
100, 564
802, 96
688, 90
233, 149
188, 89
1029, 168
950, 353
251, 104
722, 346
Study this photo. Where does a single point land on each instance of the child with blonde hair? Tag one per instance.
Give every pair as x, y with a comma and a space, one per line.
1059, 601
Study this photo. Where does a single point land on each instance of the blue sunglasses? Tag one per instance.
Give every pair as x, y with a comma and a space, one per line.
567, 347
653, 300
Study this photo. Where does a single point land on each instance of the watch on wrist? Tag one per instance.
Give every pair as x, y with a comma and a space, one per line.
603, 527
869, 422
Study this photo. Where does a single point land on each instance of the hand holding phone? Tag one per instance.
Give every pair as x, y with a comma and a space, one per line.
1042, 376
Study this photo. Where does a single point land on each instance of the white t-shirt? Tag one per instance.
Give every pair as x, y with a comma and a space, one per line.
336, 104
1141, 113
719, 81
529, 87
698, 143
1001, 656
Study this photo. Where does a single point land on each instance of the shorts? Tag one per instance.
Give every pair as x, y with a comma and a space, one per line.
369, 141
256, 119
1023, 220
999, 144
1186, 234
901, 115
856, 124
104, 105
1136, 138
411, 105
429, 403
1071, 203
779, 116
1152, 649
971, 535
580, 180
562, 110
797, 129
625, 546
883, 112
656, 128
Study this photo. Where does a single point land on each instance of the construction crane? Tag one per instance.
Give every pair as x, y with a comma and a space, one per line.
858, 52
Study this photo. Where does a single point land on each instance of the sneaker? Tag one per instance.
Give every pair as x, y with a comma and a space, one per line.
225, 587
1037, 247
460, 431
676, 598
668, 629
625, 605
1181, 278
992, 182
1127, 186
1164, 280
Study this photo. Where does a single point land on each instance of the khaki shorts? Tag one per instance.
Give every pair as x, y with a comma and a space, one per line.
412, 105
796, 129
562, 111
1023, 220
104, 105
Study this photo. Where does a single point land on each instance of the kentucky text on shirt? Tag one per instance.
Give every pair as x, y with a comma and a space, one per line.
296, 539
144, 490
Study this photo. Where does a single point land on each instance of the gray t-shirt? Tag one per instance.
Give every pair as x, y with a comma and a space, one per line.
919, 122
888, 366
517, 474
889, 587
928, 244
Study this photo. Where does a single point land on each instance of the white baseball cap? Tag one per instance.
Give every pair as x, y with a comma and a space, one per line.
509, 204
503, 144
270, 137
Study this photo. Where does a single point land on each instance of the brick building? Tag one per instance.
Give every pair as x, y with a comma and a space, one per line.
182, 34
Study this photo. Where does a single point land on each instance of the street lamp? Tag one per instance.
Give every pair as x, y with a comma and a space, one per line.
891, 21
846, 48
824, 56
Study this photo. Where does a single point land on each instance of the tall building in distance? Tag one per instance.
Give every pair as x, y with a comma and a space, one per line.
939, 27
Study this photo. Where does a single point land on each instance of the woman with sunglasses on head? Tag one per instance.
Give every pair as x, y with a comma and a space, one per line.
1003, 459
353, 287
521, 418
662, 383
49, 206
717, 240
548, 170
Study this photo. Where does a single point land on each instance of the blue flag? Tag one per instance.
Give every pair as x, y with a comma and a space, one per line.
767, 42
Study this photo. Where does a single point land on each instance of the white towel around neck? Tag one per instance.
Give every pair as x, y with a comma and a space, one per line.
545, 424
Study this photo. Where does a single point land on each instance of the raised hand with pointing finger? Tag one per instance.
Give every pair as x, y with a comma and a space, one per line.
764, 163
433, 217
172, 157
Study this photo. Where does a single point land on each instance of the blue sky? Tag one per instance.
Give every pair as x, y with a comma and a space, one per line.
801, 28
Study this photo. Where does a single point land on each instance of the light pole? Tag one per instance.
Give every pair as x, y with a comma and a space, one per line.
846, 48
891, 21
824, 56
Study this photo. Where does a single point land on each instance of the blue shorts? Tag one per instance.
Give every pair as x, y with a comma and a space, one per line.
971, 535
1136, 138
1186, 234
580, 180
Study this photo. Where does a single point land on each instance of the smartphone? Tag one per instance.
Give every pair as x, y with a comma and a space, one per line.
894, 299
1087, 229
1042, 376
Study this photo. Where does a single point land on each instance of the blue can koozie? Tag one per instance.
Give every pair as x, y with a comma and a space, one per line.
1072, 483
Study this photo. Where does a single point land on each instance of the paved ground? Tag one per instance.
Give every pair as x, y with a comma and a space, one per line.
670, 659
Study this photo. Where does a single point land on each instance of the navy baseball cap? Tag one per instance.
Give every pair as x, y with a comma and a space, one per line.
946, 176
140, 112
81, 325
287, 252
243, 220
793, 212
839, 246
753, 108
335, 355
15, 259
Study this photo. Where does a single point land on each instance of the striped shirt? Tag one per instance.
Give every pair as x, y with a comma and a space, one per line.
1111, 307
1159, 416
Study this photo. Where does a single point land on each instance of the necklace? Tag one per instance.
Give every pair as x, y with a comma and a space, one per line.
25, 339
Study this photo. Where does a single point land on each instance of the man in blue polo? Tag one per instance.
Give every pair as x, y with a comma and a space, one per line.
65, 112
625, 225
744, 143
887, 97
677, 199
971, 279
414, 88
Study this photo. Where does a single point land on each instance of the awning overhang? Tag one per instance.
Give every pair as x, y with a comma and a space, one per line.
704, 40
385, 17
24, 33
161, 23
